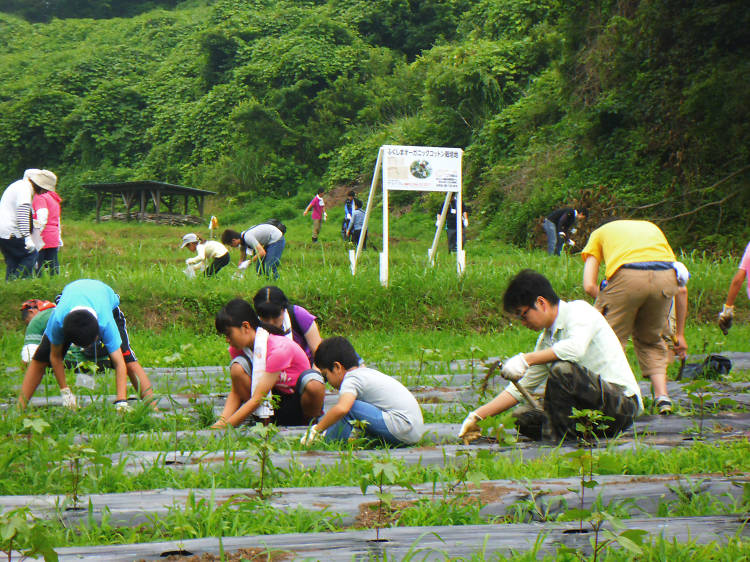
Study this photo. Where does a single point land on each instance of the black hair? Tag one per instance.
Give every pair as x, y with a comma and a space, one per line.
357, 203
351, 193
525, 288
233, 314
228, 235
321, 190
336, 349
270, 302
80, 327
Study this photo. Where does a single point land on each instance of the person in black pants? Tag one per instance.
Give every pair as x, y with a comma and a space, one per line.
559, 225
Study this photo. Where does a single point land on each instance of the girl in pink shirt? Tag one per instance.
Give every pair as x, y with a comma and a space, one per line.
279, 365
318, 213
46, 206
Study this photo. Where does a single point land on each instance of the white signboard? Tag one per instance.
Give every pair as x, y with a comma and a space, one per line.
421, 168
416, 168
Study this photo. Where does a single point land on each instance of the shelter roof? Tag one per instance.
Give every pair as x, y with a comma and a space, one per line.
131, 186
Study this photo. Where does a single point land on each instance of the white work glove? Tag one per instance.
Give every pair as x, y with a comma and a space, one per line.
243, 265
68, 398
122, 407
573, 230
466, 222
325, 216
310, 435
514, 368
571, 242
470, 430
725, 318
28, 242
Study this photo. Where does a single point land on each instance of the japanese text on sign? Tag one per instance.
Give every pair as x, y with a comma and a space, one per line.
422, 168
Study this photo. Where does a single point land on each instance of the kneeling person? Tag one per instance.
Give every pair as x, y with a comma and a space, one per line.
577, 355
390, 410
269, 362
87, 309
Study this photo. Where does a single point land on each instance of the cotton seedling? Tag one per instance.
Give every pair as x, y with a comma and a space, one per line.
425, 353
17, 527
34, 426
381, 474
474, 351
589, 424
264, 433
629, 539
698, 393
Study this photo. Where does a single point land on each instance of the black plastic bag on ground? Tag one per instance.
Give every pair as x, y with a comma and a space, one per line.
714, 367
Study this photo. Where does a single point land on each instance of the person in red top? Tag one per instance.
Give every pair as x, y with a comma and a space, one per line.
318, 213
46, 219
278, 364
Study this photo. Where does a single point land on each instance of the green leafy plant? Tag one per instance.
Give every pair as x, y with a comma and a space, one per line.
18, 530
589, 423
264, 448
381, 474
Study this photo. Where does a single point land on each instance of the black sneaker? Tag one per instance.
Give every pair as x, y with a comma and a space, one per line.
664, 405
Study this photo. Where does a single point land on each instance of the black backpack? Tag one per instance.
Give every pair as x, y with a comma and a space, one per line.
278, 224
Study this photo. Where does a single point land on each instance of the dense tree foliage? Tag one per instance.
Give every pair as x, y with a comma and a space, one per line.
638, 108
45, 10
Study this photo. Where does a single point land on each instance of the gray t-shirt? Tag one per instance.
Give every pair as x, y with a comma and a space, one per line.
261, 234
401, 412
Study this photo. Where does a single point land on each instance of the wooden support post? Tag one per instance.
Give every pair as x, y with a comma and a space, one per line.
99, 197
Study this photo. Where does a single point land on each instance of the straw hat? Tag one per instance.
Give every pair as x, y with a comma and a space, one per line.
43, 178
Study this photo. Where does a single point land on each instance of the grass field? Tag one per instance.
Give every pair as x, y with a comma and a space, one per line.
425, 314
438, 310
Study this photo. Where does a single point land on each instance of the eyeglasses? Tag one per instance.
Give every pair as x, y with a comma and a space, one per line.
522, 314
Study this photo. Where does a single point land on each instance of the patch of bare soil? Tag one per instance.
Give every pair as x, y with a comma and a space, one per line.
371, 514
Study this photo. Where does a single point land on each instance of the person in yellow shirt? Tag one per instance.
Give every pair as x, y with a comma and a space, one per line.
641, 281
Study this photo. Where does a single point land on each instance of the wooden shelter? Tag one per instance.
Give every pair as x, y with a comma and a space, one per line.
142, 194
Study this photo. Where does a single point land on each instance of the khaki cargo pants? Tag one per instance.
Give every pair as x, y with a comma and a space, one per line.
636, 304
571, 386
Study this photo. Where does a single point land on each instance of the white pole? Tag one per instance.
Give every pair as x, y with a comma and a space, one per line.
460, 257
384, 253
438, 229
368, 209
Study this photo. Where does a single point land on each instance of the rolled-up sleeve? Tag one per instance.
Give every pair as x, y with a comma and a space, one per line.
535, 375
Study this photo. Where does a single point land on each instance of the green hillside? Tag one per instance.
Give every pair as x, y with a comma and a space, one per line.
630, 108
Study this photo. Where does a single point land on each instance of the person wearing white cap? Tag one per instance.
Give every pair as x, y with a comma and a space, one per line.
212, 255
16, 244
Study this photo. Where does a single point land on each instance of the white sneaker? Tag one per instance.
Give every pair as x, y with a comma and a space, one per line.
122, 407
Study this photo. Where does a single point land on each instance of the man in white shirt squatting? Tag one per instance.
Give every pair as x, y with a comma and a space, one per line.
390, 411
577, 355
